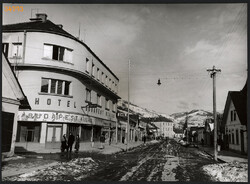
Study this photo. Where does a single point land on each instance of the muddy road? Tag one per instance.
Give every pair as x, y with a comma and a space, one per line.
160, 161
154, 162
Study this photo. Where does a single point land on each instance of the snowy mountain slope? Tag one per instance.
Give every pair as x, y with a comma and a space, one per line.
194, 117
143, 112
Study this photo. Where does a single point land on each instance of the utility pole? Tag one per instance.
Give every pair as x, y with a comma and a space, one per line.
187, 127
127, 128
213, 75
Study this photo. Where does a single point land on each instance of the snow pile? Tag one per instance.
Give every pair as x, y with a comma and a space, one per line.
74, 170
154, 141
228, 172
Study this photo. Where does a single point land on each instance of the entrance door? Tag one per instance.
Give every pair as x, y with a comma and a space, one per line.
53, 138
242, 141
7, 129
74, 129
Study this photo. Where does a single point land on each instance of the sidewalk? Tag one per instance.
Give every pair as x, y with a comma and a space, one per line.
36, 148
32, 159
226, 156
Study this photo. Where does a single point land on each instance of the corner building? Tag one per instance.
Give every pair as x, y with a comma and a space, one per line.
68, 87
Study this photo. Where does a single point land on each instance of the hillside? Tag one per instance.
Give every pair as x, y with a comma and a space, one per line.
195, 117
142, 112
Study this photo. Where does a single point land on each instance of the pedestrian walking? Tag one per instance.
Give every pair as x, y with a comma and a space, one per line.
77, 144
202, 142
71, 141
64, 143
144, 139
102, 140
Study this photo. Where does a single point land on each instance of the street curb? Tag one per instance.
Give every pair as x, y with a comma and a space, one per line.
213, 155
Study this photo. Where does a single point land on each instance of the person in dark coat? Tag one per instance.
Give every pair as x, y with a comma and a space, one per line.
71, 141
144, 139
64, 143
77, 144
102, 140
202, 141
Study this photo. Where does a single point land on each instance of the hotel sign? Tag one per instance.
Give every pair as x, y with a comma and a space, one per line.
53, 117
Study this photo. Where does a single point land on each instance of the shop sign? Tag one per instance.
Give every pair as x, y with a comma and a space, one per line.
53, 117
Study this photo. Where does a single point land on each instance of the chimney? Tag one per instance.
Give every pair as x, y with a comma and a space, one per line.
40, 17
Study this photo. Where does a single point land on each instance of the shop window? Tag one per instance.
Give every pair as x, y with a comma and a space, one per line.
5, 49
56, 52
17, 50
55, 86
28, 133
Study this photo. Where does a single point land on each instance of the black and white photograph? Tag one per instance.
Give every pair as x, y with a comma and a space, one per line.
124, 92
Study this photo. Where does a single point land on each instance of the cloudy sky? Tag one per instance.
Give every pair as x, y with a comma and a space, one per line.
174, 42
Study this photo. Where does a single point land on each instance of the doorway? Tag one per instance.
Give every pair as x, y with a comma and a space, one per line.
53, 138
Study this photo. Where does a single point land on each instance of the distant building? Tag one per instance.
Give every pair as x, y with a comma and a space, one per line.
178, 133
13, 99
200, 132
234, 122
69, 88
165, 129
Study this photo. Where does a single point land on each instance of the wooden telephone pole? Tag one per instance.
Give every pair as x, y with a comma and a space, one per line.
213, 72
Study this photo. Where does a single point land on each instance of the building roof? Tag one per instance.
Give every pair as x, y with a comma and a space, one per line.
48, 27
16, 87
239, 99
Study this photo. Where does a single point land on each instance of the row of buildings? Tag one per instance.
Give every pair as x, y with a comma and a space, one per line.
232, 125
59, 85
53, 84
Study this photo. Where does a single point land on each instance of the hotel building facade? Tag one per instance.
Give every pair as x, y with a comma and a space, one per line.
68, 87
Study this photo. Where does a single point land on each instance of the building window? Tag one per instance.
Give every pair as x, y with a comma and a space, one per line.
106, 82
99, 100
57, 53
17, 50
109, 83
232, 138
233, 115
98, 74
93, 70
55, 86
88, 95
103, 77
113, 86
5, 49
229, 138
87, 65
237, 136
45, 85
107, 104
